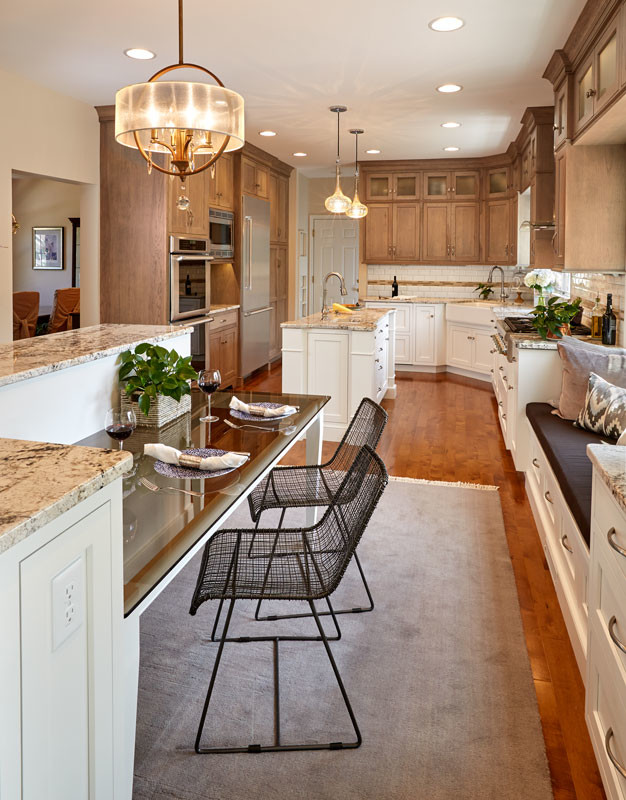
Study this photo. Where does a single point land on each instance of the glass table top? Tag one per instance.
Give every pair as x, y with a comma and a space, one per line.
161, 527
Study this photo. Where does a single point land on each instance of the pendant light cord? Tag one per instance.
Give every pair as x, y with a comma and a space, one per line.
180, 32
356, 161
337, 135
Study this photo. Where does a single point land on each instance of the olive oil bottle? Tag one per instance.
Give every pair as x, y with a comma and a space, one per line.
596, 320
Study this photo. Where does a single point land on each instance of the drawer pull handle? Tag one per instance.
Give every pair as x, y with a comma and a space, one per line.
566, 546
548, 498
616, 641
536, 463
610, 536
607, 744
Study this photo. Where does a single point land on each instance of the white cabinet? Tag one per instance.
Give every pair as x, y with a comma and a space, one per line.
424, 336
61, 617
420, 334
606, 668
469, 348
345, 364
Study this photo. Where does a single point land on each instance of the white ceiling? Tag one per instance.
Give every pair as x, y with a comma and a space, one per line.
292, 59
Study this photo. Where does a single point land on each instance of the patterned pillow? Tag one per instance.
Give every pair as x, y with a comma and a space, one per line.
604, 411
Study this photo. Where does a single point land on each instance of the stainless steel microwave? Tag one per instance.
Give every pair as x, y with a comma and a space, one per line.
190, 278
221, 234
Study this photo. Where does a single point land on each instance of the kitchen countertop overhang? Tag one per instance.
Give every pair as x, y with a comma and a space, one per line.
363, 319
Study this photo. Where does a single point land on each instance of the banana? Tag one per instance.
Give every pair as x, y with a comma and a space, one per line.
339, 309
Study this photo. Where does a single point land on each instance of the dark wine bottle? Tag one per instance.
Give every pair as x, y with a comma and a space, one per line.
188, 285
394, 287
609, 323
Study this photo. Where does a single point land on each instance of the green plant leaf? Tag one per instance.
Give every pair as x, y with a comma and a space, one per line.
141, 348
144, 404
125, 370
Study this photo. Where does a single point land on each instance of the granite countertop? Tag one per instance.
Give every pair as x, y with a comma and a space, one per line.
219, 308
40, 481
28, 358
363, 319
611, 465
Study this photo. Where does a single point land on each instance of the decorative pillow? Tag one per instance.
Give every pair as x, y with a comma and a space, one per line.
579, 359
605, 408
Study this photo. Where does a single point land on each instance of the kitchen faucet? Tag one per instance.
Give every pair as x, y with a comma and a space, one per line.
503, 294
343, 290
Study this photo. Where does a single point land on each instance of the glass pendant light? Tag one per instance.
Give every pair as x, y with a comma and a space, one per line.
337, 203
357, 210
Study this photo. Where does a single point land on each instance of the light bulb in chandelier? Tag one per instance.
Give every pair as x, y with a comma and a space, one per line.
357, 209
337, 203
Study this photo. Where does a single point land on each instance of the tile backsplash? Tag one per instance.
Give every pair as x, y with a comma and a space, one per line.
588, 285
434, 281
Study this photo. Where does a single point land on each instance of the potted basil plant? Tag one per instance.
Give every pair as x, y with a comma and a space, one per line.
157, 381
552, 319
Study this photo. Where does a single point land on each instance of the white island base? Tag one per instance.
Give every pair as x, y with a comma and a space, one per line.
347, 357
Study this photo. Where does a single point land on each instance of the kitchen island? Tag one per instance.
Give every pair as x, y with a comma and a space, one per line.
346, 356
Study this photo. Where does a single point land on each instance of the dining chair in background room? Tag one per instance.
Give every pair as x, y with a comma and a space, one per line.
25, 313
66, 302
298, 564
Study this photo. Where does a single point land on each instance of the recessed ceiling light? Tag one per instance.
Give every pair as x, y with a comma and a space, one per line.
448, 88
139, 53
267, 133
451, 149
300, 155
372, 152
450, 124
445, 24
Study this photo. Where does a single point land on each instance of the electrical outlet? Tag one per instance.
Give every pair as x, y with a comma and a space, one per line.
68, 601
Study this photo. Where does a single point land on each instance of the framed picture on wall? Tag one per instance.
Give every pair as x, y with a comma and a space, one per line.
48, 248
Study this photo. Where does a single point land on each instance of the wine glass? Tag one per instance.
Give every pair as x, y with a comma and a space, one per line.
119, 425
209, 381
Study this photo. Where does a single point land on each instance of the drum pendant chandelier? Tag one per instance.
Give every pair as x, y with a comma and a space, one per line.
181, 119
337, 203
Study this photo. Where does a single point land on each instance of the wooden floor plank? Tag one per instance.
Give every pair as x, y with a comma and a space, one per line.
445, 427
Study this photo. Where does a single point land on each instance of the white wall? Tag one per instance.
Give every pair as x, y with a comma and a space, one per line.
48, 134
41, 202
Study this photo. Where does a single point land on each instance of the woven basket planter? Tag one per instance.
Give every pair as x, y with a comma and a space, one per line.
162, 410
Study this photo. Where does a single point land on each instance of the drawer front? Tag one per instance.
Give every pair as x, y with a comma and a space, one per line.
606, 718
609, 611
611, 525
537, 461
223, 319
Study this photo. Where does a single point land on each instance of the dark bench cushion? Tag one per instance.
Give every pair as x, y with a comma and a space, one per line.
565, 448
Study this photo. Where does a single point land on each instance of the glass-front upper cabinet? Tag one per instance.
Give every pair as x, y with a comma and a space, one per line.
583, 94
560, 115
498, 182
437, 186
606, 61
465, 185
379, 187
406, 186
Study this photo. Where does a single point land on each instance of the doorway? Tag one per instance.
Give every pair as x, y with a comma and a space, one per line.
335, 248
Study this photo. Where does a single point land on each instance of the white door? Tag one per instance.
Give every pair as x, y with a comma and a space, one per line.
424, 334
335, 249
483, 345
460, 350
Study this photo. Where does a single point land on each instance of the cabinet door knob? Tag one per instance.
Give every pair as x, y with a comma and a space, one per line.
548, 497
536, 463
590, 93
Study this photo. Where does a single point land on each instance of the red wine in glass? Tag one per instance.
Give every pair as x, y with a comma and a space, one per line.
119, 425
209, 381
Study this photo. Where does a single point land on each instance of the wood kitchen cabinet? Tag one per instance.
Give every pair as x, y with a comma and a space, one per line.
499, 247
223, 335
597, 78
279, 211
392, 232
458, 185
451, 232
558, 242
195, 220
220, 189
393, 186
560, 114
498, 180
254, 177
278, 296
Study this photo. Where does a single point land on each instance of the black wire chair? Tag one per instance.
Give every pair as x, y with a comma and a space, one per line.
297, 564
316, 485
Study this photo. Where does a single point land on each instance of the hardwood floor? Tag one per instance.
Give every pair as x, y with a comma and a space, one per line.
445, 427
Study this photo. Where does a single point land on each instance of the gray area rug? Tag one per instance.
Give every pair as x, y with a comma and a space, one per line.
438, 674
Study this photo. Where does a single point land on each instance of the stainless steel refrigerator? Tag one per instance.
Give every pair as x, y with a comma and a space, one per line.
255, 284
